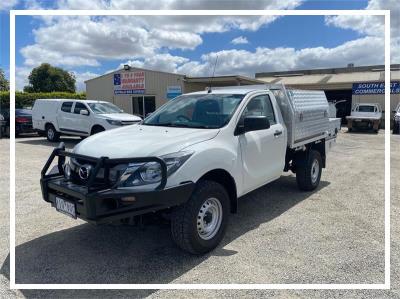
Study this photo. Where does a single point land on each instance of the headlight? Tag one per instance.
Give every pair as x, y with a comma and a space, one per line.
114, 122
139, 174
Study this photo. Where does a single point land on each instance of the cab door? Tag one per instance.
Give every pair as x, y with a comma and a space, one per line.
262, 151
82, 122
64, 116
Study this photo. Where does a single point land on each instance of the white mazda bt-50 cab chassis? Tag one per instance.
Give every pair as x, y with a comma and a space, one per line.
193, 158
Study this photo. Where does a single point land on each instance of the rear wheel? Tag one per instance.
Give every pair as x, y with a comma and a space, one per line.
199, 225
51, 133
308, 170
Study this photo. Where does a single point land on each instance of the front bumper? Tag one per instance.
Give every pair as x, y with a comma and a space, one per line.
367, 123
103, 205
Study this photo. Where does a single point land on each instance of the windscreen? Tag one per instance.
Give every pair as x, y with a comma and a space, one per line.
366, 108
209, 111
104, 108
23, 112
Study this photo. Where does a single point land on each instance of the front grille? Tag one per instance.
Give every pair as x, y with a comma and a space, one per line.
77, 163
103, 180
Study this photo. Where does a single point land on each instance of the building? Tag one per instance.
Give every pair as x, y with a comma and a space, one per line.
351, 85
140, 91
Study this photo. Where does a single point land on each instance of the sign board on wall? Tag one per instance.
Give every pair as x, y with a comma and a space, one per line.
129, 83
375, 88
173, 91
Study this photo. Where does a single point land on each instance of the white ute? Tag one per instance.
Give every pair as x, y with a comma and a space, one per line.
55, 117
367, 116
193, 158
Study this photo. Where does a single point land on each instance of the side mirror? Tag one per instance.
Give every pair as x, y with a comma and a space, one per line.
252, 123
84, 112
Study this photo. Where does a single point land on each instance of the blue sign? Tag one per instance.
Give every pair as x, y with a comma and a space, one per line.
117, 79
375, 88
134, 91
173, 92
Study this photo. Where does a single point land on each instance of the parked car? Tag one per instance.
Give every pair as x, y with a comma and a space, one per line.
83, 118
3, 125
396, 120
365, 116
23, 121
193, 158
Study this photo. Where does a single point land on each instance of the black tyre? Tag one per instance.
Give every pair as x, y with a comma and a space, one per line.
51, 133
97, 129
308, 170
199, 225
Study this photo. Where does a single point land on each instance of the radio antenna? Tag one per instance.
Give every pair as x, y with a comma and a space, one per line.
212, 77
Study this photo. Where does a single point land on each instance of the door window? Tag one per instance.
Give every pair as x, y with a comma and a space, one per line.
260, 106
79, 107
66, 107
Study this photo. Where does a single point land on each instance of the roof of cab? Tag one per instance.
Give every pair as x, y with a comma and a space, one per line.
76, 100
229, 90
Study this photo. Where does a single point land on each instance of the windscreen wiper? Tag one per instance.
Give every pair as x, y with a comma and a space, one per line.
181, 125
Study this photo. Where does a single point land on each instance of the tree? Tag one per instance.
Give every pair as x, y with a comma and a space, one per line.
4, 84
47, 78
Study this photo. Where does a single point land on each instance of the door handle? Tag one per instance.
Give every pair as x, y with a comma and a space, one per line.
277, 133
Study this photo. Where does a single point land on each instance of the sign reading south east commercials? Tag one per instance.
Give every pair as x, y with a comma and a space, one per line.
375, 88
130, 83
173, 91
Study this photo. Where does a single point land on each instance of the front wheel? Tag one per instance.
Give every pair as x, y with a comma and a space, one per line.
97, 129
199, 225
308, 170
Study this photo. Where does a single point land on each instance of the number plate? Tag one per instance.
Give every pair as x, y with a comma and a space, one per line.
65, 207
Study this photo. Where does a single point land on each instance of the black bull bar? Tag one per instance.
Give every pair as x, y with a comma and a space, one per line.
92, 199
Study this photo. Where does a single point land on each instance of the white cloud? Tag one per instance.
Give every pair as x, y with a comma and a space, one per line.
176, 4
81, 78
374, 25
363, 51
92, 38
371, 25
240, 40
144, 41
7, 4
21, 77
71, 41
36, 55
176, 39
160, 62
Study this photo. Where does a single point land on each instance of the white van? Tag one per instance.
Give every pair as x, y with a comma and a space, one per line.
55, 117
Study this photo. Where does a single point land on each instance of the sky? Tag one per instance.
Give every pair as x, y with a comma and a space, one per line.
91, 46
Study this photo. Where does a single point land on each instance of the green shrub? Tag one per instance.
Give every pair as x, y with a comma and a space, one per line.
26, 99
